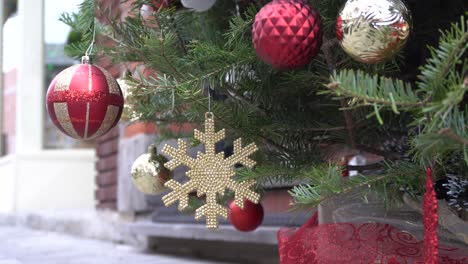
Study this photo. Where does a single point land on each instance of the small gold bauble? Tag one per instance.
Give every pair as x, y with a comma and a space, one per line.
373, 31
149, 174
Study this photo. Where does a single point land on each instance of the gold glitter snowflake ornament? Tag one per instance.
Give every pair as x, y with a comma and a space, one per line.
210, 174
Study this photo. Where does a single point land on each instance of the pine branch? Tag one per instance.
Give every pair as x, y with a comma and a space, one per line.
191, 81
165, 57
448, 132
445, 58
327, 182
268, 173
311, 129
238, 26
347, 114
82, 22
442, 138
439, 110
350, 127
365, 90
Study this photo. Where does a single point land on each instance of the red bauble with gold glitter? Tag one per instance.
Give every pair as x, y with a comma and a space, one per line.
287, 34
247, 219
84, 101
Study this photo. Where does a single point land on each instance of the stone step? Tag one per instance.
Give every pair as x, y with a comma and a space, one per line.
9, 261
262, 235
226, 243
27, 246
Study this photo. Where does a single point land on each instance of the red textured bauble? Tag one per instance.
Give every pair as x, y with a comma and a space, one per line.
247, 219
84, 101
287, 34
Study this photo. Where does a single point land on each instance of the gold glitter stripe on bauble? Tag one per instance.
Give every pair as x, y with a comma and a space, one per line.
111, 115
87, 121
90, 88
111, 82
63, 117
64, 78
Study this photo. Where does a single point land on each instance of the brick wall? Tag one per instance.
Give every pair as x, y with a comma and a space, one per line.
106, 167
107, 145
107, 153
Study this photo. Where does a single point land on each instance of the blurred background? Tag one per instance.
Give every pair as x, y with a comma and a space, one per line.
32, 56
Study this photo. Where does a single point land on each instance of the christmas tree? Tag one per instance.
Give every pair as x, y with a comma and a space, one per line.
410, 109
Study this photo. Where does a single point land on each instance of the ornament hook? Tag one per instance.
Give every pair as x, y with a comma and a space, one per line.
173, 100
208, 92
153, 151
85, 60
209, 99
90, 49
209, 115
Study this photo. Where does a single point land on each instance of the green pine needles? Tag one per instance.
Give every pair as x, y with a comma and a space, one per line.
292, 115
437, 101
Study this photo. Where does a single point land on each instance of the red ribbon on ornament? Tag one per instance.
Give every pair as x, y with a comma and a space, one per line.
368, 243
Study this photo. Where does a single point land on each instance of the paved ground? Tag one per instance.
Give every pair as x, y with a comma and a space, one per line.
26, 246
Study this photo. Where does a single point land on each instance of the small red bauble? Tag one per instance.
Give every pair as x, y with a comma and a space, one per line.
339, 28
247, 219
287, 33
161, 3
84, 101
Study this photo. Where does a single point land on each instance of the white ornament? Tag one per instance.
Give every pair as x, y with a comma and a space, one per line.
198, 5
357, 160
146, 11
